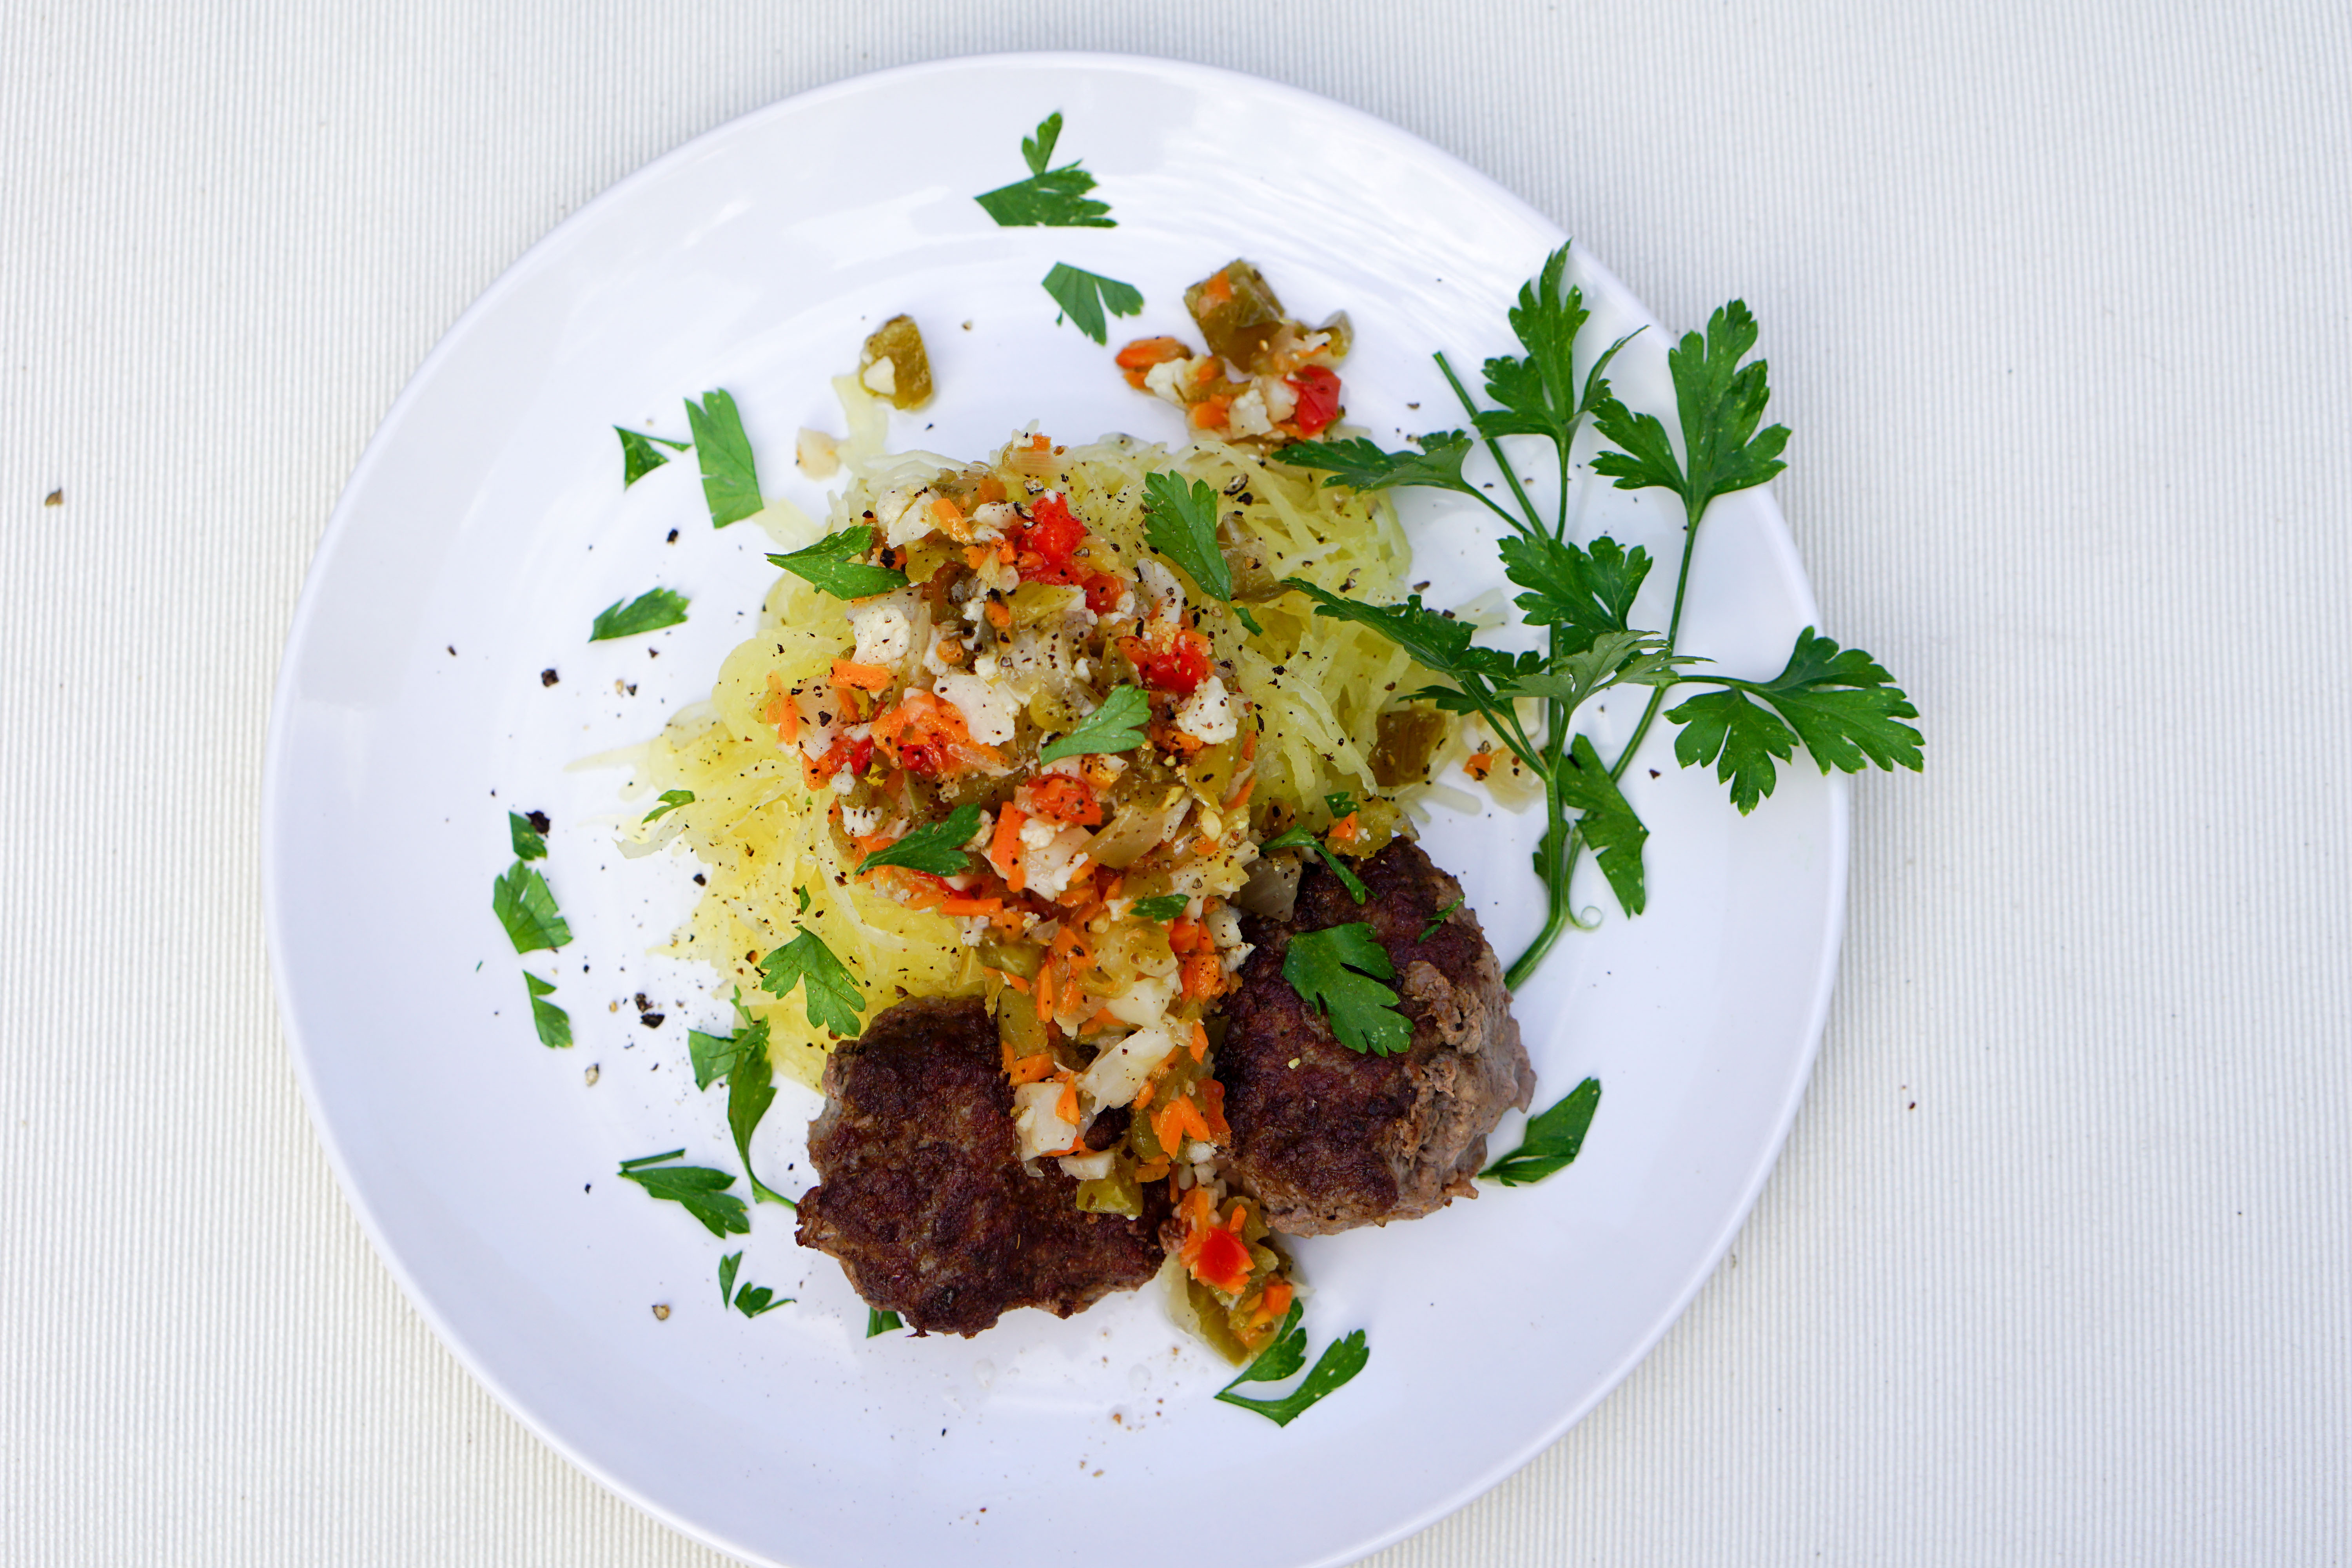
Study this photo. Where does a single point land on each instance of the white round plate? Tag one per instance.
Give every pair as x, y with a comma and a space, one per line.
485, 526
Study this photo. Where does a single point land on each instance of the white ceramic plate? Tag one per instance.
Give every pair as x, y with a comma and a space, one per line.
485, 527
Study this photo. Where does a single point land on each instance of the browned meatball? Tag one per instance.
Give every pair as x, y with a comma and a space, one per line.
920, 1195
1329, 1139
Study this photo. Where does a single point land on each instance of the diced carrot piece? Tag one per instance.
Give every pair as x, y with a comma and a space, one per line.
1144, 352
860, 677
998, 616
1211, 411
1005, 846
1219, 287
1066, 1108
1479, 763
1200, 1043
1203, 976
1033, 1069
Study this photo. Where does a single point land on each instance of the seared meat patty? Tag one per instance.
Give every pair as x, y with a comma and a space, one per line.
1329, 1139
919, 1194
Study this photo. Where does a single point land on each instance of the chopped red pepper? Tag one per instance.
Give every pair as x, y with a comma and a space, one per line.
1319, 399
1224, 1262
1064, 798
1103, 591
1053, 532
1180, 667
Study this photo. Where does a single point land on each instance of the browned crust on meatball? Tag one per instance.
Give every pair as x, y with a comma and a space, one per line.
1342, 1137
919, 1194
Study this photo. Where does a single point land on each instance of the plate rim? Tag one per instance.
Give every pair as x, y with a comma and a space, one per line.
341, 524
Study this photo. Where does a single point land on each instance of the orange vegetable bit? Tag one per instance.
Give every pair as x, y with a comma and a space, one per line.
1219, 287
1145, 352
1152, 1171
1046, 990
1211, 412
1345, 829
1212, 1111
782, 711
1203, 976
1240, 798
1005, 846
1033, 1069
1479, 763
850, 674
998, 616
1249, 747
1201, 1048
1066, 1108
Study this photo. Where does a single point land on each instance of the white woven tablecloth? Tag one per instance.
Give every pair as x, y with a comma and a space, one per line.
2054, 1267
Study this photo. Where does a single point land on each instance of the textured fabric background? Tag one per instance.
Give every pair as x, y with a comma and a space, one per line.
2054, 1266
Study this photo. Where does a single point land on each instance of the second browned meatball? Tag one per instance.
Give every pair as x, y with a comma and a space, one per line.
1329, 1139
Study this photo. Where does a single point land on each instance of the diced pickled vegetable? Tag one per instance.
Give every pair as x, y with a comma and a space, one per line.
1407, 738
1236, 310
1114, 1193
1272, 890
898, 344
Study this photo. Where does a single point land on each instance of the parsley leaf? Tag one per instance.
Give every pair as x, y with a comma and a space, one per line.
639, 454
937, 847
1718, 402
727, 1266
1039, 153
553, 1023
529, 842
1337, 971
1048, 198
881, 1322
1842, 706
526, 909
1614, 658
1586, 593
1608, 823
1163, 909
649, 612
836, 564
1552, 1140
1740, 738
829, 992
1438, 920
702, 1192
1116, 726
1179, 520
671, 799
750, 1090
1298, 838
1539, 393
1436, 641
758, 1299
713, 1055
1341, 1360
730, 479
1361, 465
1085, 295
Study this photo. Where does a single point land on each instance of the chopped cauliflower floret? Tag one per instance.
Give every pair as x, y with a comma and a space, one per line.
819, 453
1163, 596
1207, 715
885, 633
1247, 416
1281, 402
989, 710
1117, 1077
861, 821
881, 377
1048, 868
990, 521
1170, 378
1144, 1002
904, 511
1037, 1119
1089, 1167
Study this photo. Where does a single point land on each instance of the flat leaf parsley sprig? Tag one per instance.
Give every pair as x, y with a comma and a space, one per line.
1840, 705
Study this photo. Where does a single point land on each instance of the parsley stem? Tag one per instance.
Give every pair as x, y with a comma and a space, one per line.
1673, 631
1535, 523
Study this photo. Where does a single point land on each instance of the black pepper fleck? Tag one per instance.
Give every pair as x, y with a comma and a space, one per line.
547, 677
